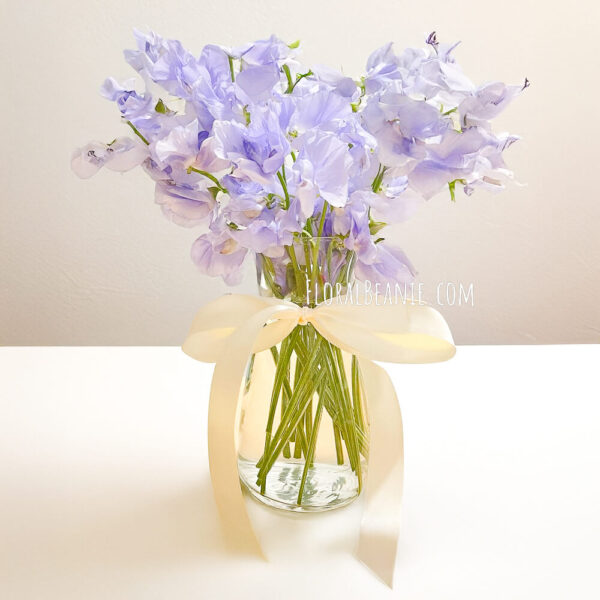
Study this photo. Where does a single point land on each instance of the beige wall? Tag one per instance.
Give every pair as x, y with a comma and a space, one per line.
94, 262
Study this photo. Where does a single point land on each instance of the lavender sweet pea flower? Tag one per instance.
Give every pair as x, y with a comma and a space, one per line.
352, 222
184, 205
213, 94
217, 254
382, 69
486, 103
413, 118
453, 158
257, 151
321, 169
207, 159
435, 77
400, 124
256, 83
165, 62
246, 200
362, 147
121, 155
337, 82
428, 75
322, 109
395, 202
243, 209
215, 60
135, 108
180, 146
261, 236
391, 265
265, 52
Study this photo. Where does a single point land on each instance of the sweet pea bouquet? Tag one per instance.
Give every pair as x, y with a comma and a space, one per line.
303, 168
265, 154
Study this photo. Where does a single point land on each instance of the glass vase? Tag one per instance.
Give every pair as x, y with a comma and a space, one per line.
303, 430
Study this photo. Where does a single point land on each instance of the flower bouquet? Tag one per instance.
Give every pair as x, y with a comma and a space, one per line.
302, 169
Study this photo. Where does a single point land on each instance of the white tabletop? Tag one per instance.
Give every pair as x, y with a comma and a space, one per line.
105, 492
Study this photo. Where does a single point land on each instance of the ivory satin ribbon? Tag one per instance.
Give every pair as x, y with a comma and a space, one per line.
228, 330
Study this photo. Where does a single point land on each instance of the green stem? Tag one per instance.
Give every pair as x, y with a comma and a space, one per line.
136, 131
315, 250
303, 392
311, 450
299, 277
269, 275
231, 69
339, 452
210, 176
359, 418
282, 360
282, 180
288, 76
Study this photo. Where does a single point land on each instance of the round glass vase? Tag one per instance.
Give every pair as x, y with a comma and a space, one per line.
303, 428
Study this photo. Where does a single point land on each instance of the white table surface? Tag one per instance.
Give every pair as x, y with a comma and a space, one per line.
105, 492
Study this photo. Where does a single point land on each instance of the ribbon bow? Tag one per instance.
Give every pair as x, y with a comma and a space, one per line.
228, 330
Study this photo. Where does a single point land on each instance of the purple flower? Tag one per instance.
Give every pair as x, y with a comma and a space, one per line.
265, 52
335, 81
165, 62
395, 202
486, 103
390, 265
122, 154
257, 151
323, 108
180, 147
382, 69
322, 168
400, 125
260, 235
184, 205
466, 156
135, 108
352, 222
256, 83
217, 254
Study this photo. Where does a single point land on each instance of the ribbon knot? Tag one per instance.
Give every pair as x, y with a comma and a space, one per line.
305, 315
228, 330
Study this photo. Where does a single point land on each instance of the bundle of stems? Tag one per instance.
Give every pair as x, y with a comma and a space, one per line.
311, 375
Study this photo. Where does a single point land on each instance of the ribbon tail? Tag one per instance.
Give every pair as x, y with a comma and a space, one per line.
380, 526
223, 419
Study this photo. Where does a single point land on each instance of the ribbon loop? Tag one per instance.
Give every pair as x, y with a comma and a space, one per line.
228, 330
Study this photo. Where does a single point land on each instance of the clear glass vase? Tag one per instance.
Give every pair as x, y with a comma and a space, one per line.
303, 432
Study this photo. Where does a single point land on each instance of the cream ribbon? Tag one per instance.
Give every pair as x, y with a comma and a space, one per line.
228, 330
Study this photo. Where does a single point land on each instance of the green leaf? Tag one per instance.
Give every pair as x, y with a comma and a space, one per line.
376, 226
294, 45
452, 187
247, 115
162, 108
288, 76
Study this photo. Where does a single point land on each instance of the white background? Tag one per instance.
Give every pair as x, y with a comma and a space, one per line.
94, 262
105, 492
